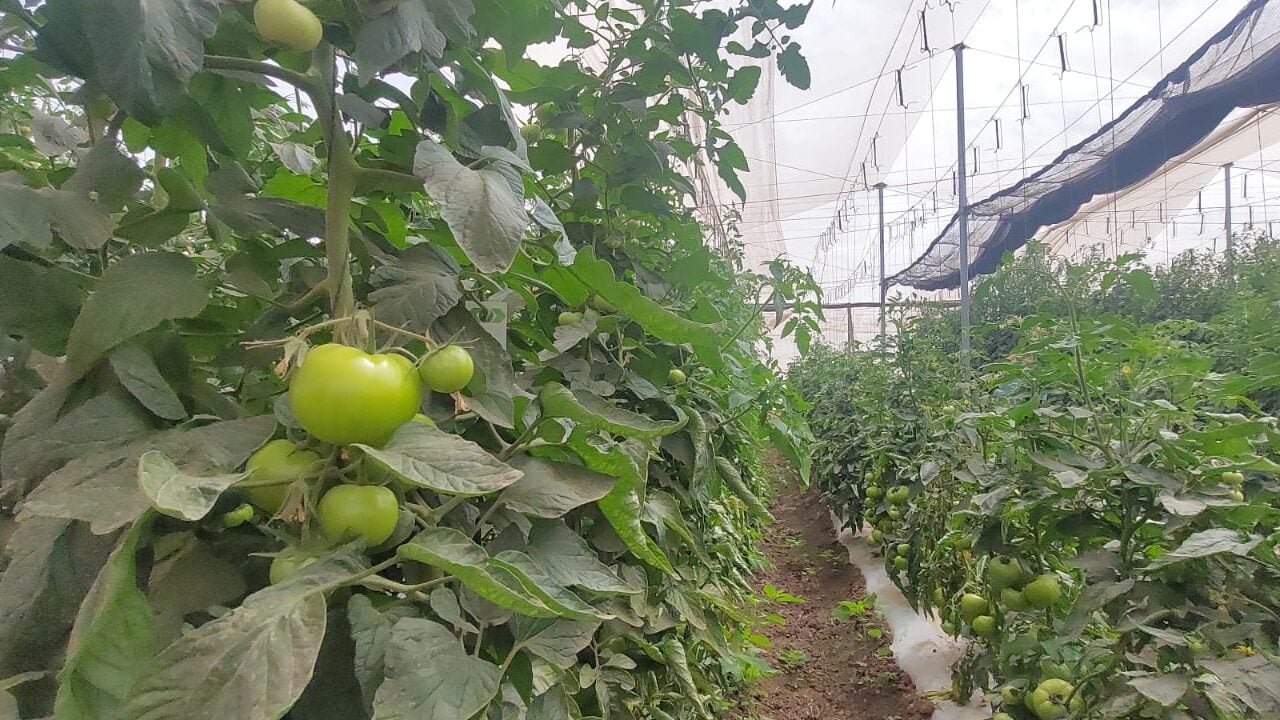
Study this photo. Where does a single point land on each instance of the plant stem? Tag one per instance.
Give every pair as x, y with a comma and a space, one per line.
222, 62
342, 184
391, 180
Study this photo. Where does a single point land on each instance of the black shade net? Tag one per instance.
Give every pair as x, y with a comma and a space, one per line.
1239, 67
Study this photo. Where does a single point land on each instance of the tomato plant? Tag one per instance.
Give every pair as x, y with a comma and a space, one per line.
242, 241
1096, 510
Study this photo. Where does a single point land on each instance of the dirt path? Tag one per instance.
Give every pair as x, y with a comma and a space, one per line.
828, 668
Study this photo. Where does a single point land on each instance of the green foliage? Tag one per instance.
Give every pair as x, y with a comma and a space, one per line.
1097, 447
189, 209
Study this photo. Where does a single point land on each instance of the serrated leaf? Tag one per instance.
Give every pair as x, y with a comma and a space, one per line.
794, 67
176, 494
597, 413
30, 216
538, 583
570, 561
658, 321
134, 295
1214, 541
412, 26
140, 52
430, 676
137, 372
427, 457
371, 633
419, 289
550, 489
113, 640
102, 488
487, 218
252, 663
456, 554
556, 641
39, 303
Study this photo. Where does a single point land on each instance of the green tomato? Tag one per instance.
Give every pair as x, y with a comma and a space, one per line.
603, 305
531, 132
904, 549
286, 566
1002, 716
569, 318
1004, 572
899, 495
901, 563
1049, 700
448, 369
984, 626
676, 376
895, 513
1043, 592
422, 419
876, 536
348, 512
1010, 696
938, 597
874, 492
237, 517
344, 395
1234, 479
1013, 599
949, 627
1236, 495
288, 23
277, 465
972, 605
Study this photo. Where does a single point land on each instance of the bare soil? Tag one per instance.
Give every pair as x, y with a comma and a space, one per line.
826, 668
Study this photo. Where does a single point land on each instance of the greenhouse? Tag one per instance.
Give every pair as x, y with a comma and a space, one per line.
639, 360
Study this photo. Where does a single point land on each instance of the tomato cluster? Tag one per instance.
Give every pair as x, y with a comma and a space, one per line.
342, 395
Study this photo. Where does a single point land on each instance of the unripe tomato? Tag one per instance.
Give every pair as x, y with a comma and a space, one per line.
1013, 599
278, 463
901, 563
286, 566
876, 536
424, 419
531, 132
1234, 479
1236, 495
569, 318
1002, 716
237, 517
972, 605
904, 549
1010, 696
344, 395
984, 626
874, 492
949, 627
1043, 592
602, 305
288, 23
895, 513
676, 376
448, 369
348, 512
1003, 572
899, 495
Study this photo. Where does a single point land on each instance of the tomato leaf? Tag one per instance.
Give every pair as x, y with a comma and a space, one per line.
570, 561
140, 52
371, 632
592, 411
430, 676
456, 554
413, 26
538, 583
102, 489
39, 303
551, 489
251, 663
30, 217
176, 494
137, 372
486, 216
113, 640
662, 323
556, 641
417, 290
134, 295
430, 458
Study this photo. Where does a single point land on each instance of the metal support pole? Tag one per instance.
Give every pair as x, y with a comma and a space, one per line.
1226, 223
848, 312
962, 190
884, 289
